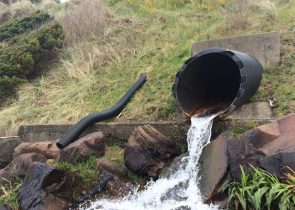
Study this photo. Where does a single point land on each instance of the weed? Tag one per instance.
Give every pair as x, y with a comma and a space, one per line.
8, 191
87, 170
115, 154
261, 190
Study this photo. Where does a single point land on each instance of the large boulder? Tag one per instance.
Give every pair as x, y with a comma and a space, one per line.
271, 147
41, 186
46, 148
21, 165
92, 144
148, 151
214, 165
7, 146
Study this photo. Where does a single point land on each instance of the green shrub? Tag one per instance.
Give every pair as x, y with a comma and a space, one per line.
22, 58
8, 85
260, 190
23, 25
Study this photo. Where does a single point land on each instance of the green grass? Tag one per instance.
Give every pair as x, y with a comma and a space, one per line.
87, 170
92, 76
8, 191
261, 190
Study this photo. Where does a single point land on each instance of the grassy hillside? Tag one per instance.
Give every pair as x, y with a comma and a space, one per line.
152, 36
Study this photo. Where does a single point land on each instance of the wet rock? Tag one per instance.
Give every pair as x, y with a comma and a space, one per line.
5, 207
268, 146
148, 151
46, 148
172, 167
7, 146
90, 145
42, 185
214, 165
21, 164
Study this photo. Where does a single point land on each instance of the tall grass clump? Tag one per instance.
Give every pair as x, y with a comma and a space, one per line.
260, 190
83, 20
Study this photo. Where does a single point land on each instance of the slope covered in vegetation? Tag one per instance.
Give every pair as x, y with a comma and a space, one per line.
134, 36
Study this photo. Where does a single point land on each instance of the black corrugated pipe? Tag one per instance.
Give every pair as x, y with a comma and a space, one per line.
83, 124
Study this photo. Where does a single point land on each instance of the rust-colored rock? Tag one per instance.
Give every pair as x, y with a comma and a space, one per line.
90, 145
21, 164
148, 151
270, 147
46, 148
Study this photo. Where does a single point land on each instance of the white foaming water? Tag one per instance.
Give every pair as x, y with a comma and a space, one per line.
179, 190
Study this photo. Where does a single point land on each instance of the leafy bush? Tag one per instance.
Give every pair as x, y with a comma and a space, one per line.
261, 190
23, 25
21, 59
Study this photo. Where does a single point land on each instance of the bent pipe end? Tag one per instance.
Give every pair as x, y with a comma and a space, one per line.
84, 123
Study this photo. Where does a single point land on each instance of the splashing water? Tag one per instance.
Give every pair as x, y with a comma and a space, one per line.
179, 189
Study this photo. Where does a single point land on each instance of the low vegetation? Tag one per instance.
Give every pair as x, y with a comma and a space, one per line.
23, 54
260, 190
145, 36
23, 25
8, 191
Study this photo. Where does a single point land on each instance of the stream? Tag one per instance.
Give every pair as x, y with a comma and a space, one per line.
179, 189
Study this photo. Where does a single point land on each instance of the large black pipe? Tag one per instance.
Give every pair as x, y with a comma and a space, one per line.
83, 124
216, 79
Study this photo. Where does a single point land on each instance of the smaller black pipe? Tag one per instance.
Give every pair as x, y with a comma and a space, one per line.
83, 124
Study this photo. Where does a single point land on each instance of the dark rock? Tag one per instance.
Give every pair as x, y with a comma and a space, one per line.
115, 170
113, 181
148, 151
117, 183
46, 148
7, 146
21, 164
41, 186
277, 163
119, 188
214, 165
5, 207
91, 144
268, 146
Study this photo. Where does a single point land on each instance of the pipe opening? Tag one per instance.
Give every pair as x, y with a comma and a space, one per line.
212, 80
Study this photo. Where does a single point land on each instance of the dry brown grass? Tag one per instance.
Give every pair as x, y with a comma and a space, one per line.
83, 20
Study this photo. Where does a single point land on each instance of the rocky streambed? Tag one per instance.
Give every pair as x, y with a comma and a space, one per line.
147, 154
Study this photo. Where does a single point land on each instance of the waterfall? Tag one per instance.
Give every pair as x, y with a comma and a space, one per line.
178, 190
